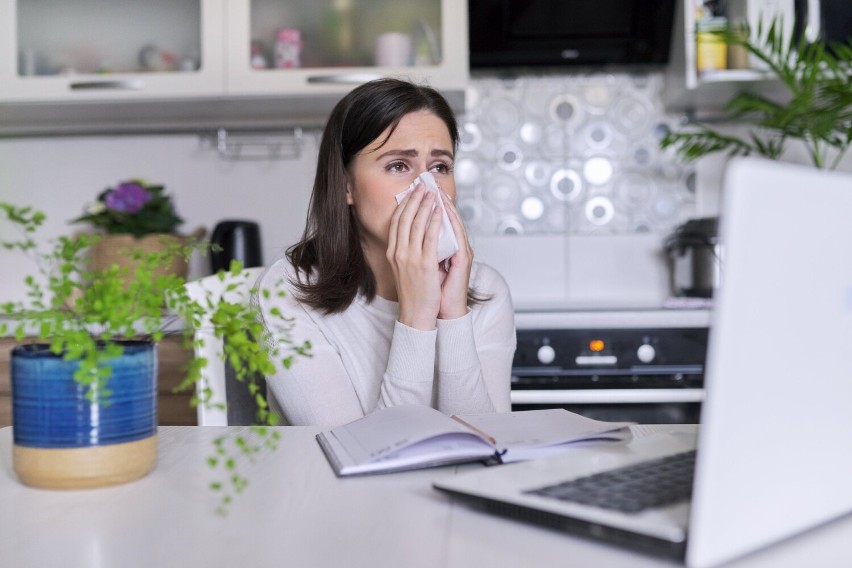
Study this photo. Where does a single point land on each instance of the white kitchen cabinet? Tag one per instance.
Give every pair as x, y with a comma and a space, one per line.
341, 44
87, 50
704, 94
94, 66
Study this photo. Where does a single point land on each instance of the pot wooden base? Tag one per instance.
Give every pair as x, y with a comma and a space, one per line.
85, 468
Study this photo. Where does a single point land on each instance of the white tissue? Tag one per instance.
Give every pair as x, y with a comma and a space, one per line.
447, 243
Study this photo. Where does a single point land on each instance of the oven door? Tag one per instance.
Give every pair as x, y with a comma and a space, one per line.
609, 366
643, 406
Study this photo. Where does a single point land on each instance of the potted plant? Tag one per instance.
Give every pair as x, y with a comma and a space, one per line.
84, 374
135, 215
817, 108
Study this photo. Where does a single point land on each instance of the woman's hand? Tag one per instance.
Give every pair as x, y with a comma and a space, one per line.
456, 280
412, 253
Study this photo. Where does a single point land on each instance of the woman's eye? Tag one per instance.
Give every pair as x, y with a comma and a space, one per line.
397, 167
441, 168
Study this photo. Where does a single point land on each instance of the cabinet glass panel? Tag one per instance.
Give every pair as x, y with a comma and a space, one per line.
345, 33
108, 36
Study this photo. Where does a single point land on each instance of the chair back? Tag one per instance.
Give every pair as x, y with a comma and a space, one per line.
216, 375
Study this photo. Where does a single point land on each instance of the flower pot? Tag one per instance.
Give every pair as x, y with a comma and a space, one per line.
115, 250
62, 440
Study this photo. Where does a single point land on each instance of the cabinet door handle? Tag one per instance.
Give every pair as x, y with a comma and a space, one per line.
344, 79
813, 28
125, 85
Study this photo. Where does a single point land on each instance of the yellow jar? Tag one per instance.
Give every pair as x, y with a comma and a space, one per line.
711, 53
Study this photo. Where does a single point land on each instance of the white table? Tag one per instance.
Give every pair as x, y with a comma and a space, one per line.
297, 513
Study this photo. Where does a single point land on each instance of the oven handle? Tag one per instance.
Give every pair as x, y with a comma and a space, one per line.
607, 396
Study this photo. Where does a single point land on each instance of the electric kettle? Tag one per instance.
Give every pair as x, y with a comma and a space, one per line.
235, 240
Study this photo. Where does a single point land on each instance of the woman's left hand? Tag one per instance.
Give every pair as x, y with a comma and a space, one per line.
456, 279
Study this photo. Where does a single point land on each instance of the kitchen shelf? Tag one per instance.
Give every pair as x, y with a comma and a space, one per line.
704, 95
93, 50
188, 64
437, 30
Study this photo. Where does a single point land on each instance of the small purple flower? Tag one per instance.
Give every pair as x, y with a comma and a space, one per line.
128, 197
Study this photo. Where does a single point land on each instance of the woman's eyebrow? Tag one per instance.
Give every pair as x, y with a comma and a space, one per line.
413, 153
445, 153
406, 153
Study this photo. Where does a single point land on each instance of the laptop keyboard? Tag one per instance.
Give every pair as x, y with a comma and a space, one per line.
633, 488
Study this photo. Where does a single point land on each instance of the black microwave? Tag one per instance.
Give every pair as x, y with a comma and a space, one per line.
520, 33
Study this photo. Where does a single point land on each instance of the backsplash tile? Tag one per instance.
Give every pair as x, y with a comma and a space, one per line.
576, 154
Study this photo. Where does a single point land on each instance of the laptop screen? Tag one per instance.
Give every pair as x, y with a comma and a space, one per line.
777, 418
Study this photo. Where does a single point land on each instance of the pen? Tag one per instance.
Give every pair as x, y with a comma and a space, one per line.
475, 429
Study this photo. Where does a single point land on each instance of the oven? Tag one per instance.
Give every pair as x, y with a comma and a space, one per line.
644, 365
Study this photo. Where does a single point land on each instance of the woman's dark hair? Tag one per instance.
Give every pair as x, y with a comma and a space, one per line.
330, 265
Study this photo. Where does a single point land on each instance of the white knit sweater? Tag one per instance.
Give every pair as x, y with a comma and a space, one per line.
364, 359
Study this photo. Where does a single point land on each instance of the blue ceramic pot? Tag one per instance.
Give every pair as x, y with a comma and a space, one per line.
64, 440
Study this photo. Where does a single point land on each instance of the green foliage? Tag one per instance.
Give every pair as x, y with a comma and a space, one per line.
85, 315
250, 352
818, 81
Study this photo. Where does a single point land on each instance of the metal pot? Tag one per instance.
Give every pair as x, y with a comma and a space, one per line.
695, 258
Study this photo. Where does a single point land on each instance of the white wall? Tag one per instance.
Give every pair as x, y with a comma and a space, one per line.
60, 176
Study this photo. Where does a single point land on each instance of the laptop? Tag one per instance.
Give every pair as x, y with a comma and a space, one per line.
776, 420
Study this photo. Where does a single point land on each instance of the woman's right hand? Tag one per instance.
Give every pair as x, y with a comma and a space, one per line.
412, 250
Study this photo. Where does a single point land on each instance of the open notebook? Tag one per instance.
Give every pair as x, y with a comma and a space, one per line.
777, 417
399, 438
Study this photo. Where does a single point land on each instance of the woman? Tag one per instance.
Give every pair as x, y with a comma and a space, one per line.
388, 324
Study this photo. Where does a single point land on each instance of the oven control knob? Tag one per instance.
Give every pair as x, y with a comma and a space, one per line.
546, 354
646, 353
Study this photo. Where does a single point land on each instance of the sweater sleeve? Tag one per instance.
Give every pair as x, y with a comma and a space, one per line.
319, 389
475, 352
463, 366
411, 368
316, 389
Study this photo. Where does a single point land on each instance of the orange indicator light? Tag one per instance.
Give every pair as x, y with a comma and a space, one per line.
596, 345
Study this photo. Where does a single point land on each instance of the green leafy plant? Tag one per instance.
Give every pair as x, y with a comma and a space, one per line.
247, 350
133, 207
817, 111
85, 315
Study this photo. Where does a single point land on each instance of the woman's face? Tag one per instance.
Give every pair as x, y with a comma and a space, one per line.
387, 166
